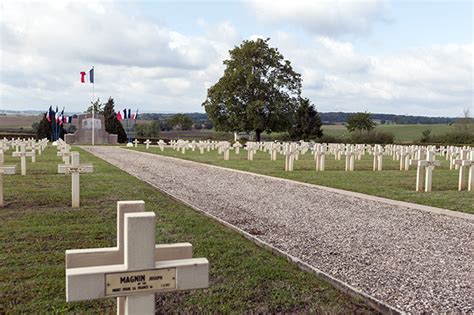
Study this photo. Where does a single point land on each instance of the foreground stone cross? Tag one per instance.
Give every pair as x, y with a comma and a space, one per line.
4, 170
22, 154
75, 168
133, 271
135, 143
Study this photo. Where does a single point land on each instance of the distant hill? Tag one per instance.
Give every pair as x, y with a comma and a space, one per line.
340, 117
331, 118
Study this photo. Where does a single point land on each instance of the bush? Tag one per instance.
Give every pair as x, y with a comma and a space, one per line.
330, 139
373, 137
455, 137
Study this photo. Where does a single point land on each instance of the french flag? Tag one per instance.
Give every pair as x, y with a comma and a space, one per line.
119, 115
135, 115
91, 76
48, 114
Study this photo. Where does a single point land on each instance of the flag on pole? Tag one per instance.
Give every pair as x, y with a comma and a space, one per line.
61, 117
129, 113
68, 120
126, 113
56, 115
119, 115
135, 115
91, 75
48, 115
83, 77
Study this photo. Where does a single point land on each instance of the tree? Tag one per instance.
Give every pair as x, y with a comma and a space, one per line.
360, 122
151, 129
112, 125
181, 122
259, 91
98, 107
307, 122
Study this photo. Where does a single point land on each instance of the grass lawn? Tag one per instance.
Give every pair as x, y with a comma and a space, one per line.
390, 183
402, 133
38, 226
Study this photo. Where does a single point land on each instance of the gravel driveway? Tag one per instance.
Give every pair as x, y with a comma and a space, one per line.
413, 260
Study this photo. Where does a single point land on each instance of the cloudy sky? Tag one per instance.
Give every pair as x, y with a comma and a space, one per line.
402, 57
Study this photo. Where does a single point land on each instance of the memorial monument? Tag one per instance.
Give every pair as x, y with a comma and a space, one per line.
83, 135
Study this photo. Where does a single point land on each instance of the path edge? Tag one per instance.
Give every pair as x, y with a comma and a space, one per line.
346, 288
398, 203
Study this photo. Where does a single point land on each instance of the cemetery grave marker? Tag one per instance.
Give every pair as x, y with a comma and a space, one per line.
75, 169
22, 154
147, 143
425, 166
138, 275
4, 170
466, 165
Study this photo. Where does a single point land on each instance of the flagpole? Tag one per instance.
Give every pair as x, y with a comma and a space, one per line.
93, 107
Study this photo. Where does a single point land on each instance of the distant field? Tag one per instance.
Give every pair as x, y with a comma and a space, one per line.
401, 132
17, 122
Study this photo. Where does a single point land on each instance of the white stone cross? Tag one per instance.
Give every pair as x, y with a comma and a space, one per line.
237, 147
378, 158
75, 168
466, 165
135, 142
147, 143
226, 150
350, 159
319, 156
427, 166
4, 170
65, 154
161, 144
22, 154
132, 272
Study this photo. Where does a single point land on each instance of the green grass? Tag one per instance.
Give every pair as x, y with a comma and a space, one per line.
402, 133
390, 183
38, 226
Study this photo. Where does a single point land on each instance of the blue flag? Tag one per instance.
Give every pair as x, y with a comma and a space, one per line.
91, 75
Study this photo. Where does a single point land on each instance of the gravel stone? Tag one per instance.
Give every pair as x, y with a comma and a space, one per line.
414, 260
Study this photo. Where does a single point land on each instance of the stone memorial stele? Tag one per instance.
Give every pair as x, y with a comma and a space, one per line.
83, 134
135, 270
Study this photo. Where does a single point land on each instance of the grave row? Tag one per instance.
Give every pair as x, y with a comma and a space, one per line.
421, 157
133, 271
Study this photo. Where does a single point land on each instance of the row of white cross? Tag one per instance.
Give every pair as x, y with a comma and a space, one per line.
22, 149
422, 157
134, 270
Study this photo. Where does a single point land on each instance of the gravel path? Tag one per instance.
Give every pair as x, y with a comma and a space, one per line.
413, 260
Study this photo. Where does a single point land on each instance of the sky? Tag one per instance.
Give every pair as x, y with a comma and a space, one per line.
396, 57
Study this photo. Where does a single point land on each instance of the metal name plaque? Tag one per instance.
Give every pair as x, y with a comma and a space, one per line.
135, 282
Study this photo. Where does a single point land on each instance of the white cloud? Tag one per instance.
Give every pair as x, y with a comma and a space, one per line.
434, 80
326, 17
141, 63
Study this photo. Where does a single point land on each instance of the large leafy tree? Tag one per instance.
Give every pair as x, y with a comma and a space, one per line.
307, 124
259, 91
360, 122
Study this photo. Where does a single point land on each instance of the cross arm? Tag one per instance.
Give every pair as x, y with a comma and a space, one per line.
8, 170
68, 168
89, 283
80, 258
